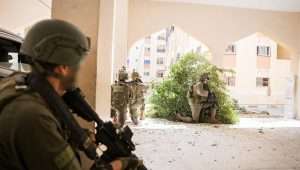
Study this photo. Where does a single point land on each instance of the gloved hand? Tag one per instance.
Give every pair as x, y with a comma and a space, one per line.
126, 163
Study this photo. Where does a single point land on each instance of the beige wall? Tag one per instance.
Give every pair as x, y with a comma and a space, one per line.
215, 26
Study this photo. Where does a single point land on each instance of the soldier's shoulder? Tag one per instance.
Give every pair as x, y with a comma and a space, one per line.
125, 84
29, 104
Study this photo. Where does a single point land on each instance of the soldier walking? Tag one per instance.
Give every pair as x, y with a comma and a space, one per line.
121, 93
137, 102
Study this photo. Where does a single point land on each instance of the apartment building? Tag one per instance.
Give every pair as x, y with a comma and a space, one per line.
262, 81
153, 55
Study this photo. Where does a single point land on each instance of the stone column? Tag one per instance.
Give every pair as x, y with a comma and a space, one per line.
120, 32
85, 15
104, 69
112, 50
297, 90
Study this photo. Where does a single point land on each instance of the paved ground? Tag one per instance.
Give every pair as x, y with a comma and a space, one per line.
254, 144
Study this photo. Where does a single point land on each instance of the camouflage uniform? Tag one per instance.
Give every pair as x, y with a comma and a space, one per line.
200, 99
31, 136
120, 96
137, 101
197, 96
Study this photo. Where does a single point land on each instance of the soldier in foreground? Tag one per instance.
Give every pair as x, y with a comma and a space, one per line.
33, 135
137, 102
200, 99
121, 94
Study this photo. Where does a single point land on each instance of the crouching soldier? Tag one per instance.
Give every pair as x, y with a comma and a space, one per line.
201, 101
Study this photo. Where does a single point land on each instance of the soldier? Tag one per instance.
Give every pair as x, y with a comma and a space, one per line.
120, 96
32, 135
137, 101
200, 98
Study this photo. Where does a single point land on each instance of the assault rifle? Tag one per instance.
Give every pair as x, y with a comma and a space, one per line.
118, 142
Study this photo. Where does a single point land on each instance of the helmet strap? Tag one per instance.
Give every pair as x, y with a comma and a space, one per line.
40, 70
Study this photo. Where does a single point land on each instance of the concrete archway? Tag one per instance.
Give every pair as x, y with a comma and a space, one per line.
174, 43
215, 25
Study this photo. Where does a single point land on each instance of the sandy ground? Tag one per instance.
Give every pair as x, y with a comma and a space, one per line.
253, 144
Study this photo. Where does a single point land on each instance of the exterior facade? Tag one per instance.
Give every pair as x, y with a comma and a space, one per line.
262, 81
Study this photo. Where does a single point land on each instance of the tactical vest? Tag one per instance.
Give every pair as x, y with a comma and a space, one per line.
193, 97
138, 90
15, 86
120, 94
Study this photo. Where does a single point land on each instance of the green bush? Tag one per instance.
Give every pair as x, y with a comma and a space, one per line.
169, 96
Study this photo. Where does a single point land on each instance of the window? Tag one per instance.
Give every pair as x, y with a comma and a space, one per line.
146, 73
147, 64
161, 49
262, 82
160, 61
147, 49
230, 81
160, 73
161, 37
178, 56
230, 50
147, 61
264, 51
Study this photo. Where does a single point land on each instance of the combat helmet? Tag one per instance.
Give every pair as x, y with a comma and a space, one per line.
204, 76
55, 42
135, 75
122, 75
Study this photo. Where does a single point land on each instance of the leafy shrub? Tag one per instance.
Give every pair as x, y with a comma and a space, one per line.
169, 96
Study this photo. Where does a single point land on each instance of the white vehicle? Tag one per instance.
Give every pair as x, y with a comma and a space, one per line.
10, 61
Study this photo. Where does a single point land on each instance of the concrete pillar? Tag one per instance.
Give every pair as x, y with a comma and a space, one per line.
297, 91
85, 15
104, 71
120, 32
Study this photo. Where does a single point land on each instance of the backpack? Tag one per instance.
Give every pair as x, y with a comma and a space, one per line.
10, 88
